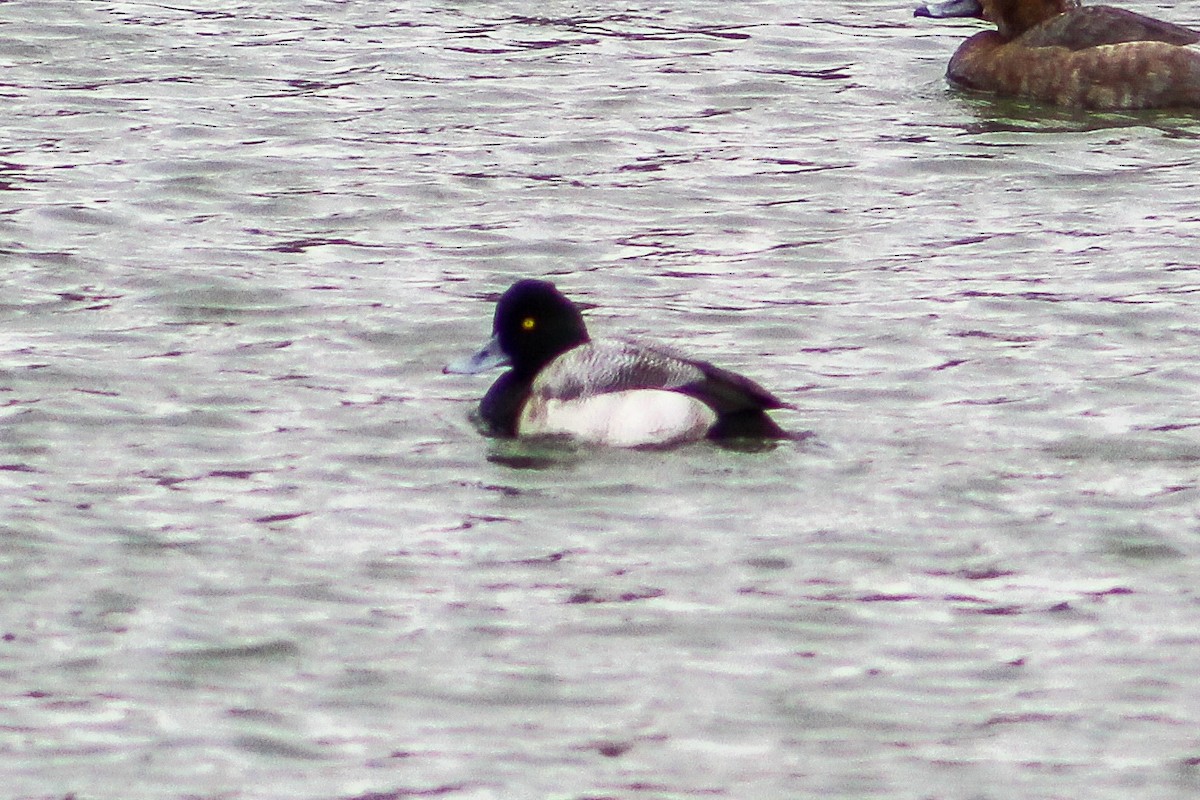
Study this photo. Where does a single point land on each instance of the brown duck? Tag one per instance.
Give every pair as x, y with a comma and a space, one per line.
1097, 57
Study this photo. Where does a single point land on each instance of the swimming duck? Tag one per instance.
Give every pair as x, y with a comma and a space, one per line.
617, 393
1097, 57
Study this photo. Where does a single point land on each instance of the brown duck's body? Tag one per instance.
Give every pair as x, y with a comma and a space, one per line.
1097, 57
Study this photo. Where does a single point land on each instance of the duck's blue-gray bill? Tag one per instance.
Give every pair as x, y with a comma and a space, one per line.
490, 357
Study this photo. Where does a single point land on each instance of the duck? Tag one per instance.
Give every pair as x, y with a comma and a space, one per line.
617, 392
1057, 52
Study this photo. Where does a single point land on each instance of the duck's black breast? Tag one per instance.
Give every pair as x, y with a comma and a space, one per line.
500, 408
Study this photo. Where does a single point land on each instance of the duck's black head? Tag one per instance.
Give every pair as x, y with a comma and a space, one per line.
534, 324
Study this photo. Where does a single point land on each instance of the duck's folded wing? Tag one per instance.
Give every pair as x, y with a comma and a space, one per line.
728, 392
1092, 26
612, 366
617, 366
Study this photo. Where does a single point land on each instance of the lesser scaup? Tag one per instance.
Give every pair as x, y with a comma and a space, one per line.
615, 393
1053, 51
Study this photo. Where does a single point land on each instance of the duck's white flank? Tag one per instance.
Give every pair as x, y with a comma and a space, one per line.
632, 418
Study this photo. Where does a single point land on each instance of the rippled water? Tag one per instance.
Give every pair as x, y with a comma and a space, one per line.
252, 547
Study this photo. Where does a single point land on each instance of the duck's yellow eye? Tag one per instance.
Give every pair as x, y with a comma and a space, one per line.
528, 324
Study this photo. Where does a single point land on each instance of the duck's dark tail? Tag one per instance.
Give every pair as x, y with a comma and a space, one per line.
751, 423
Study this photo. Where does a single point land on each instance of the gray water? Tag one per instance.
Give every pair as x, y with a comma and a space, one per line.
252, 547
